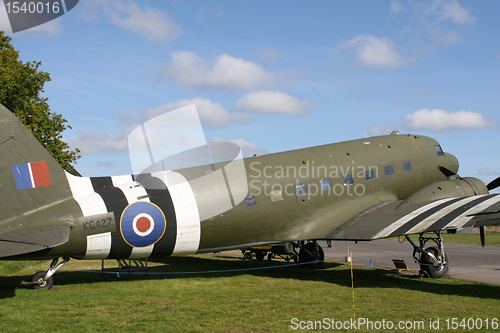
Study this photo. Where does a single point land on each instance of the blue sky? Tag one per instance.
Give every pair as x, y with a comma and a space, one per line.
275, 75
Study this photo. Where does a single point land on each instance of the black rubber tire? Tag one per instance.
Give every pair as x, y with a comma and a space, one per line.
260, 255
38, 276
270, 256
248, 255
316, 259
428, 267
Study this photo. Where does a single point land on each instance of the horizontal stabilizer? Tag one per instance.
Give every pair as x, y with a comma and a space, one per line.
33, 239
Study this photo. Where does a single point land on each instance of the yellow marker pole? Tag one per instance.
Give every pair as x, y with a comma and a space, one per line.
352, 284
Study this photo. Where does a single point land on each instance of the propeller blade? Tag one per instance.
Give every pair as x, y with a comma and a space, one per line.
493, 184
481, 234
446, 172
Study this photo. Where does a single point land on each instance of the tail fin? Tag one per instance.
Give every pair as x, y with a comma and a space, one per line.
35, 198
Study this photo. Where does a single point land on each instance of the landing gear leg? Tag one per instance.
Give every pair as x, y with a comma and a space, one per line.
311, 252
433, 260
44, 280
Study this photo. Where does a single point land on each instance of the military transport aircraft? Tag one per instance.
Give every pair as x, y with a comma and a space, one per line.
367, 189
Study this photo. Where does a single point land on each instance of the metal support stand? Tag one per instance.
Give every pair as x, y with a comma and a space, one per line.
129, 265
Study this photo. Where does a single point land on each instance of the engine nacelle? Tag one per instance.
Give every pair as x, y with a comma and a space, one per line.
453, 187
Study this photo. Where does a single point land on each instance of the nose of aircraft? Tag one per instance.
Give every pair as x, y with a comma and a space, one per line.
451, 162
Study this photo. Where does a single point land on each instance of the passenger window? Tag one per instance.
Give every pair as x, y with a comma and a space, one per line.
276, 195
301, 189
249, 201
325, 184
407, 166
439, 151
348, 180
369, 175
389, 170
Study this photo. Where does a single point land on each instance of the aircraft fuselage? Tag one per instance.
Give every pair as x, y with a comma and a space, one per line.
295, 195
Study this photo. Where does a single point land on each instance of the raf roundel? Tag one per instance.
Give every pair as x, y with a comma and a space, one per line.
142, 224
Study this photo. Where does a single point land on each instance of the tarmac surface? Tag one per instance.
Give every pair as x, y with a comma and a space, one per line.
471, 262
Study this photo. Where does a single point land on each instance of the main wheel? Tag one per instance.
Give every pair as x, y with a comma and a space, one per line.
308, 253
428, 264
260, 255
248, 255
38, 276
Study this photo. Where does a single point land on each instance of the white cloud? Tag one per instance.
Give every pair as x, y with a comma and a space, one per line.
225, 72
440, 120
152, 23
211, 113
375, 53
358, 95
273, 102
487, 172
421, 92
378, 130
396, 7
443, 11
441, 20
453, 11
443, 36
484, 171
449, 10
91, 142
247, 148
268, 54
105, 164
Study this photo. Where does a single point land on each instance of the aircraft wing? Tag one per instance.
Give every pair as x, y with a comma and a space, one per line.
398, 218
35, 238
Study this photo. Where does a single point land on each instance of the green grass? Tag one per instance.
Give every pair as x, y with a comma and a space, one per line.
246, 301
490, 239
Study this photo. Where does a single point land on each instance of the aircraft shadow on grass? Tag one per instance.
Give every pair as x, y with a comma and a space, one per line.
210, 267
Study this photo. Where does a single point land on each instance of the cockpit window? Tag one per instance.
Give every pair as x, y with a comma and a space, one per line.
439, 150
